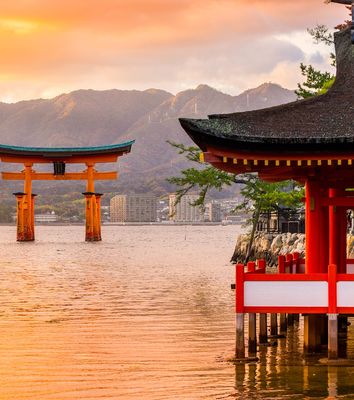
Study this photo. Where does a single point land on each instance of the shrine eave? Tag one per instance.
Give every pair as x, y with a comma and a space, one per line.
54, 152
212, 133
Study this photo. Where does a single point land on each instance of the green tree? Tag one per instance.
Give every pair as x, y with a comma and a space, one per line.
203, 178
258, 196
317, 82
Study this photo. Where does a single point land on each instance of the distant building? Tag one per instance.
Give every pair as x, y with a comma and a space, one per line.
133, 208
163, 210
105, 211
46, 218
184, 211
213, 212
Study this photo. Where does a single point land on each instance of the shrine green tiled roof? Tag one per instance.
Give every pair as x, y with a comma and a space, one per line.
67, 151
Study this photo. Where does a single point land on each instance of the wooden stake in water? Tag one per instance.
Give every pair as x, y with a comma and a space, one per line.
240, 336
274, 324
332, 336
252, 337
283, 324
263, 334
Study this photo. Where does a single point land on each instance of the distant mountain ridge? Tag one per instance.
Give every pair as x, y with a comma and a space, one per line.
89, 118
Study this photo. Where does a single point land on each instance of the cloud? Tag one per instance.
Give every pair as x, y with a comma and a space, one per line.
316, 58
64, 45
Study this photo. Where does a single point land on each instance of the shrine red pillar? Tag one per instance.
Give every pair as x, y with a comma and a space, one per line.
337, 233
343, 226
334, 231
315, 229
316, 255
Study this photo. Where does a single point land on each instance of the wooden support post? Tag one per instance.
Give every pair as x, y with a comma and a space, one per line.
332, 336
263, 334
252, 338
240, 336
283, 325
343, 325
274, 325
290, 320
312, 334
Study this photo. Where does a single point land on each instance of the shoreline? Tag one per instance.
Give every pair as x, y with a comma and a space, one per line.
130, 224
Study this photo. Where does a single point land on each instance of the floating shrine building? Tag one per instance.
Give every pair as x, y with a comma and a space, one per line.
60, 158
312, 142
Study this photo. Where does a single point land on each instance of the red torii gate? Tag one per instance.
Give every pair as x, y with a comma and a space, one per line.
311, 141
60, 157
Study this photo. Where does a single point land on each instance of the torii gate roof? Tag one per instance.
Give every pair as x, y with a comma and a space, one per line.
55, 152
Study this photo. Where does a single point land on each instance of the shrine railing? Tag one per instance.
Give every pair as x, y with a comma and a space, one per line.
291, 291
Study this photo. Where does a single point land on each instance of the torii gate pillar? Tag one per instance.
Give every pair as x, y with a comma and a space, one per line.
93, 208
25, 208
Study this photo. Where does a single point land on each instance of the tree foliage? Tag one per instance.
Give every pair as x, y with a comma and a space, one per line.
267, 196
203, 178
256, 193
317, 82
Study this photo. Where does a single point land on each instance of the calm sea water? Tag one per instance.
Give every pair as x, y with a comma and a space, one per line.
146, 314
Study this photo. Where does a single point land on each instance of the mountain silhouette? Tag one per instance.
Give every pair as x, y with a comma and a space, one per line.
90, 118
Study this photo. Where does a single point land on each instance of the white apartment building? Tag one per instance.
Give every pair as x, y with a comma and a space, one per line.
184, 211
133, 208
46, 218
213, 212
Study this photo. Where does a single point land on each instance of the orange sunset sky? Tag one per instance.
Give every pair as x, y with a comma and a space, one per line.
52, 46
